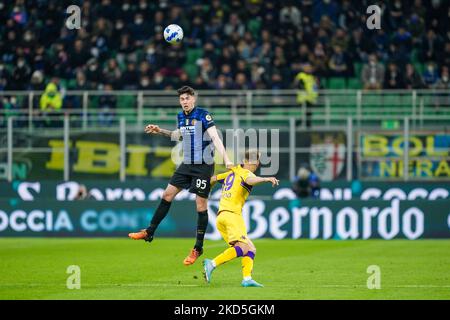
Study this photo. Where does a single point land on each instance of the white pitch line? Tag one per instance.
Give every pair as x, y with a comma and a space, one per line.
99, 285
196, 285
362, 286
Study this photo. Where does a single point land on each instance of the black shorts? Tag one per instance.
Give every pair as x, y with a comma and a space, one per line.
194, 177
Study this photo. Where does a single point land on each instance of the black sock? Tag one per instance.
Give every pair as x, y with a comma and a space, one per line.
159, 215
202, 224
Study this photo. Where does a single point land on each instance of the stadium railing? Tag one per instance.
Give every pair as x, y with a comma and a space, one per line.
351, 112
258, 108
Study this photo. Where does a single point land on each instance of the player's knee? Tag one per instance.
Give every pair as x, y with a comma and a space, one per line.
201, 203
168, 196
242, 248
201, 208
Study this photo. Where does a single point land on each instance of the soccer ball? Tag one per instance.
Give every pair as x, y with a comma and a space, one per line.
173, 33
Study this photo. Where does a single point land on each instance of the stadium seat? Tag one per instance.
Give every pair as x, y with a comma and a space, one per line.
192, 54
336, 83
254, 25
419, 67
354, 83
126, 106
191, 69
358, 68
71, 84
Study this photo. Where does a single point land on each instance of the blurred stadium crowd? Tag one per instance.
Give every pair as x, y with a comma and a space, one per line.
236, 44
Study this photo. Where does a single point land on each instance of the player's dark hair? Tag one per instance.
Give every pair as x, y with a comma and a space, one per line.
252, 155
186, 89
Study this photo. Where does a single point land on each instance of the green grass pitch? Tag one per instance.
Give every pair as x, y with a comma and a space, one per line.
289, 269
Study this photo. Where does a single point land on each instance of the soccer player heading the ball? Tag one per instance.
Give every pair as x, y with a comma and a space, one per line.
196, 130
237, 185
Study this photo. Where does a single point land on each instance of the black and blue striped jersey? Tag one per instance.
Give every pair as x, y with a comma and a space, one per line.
197, 145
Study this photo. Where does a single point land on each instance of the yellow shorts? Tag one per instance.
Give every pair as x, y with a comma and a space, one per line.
232, 227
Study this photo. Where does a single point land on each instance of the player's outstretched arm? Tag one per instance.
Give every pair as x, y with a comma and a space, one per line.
219, 178
218, 144
256, 180
155, 129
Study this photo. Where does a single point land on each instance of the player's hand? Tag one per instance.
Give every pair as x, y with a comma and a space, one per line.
152, 128
229, 165
273, 180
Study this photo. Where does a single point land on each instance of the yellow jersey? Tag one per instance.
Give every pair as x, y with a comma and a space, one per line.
308, 92
234, 190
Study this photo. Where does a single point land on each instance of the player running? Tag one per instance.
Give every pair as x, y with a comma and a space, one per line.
237, 185
196, 169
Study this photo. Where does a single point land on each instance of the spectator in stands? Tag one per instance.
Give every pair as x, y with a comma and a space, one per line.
323, 8
402, 40
210, 52
258, 75
200, 84
372, 75
442, 98
396, 56
276, 82
182, 80
226, 71
339, 64
443, 82
75, 102
393, 77
269, 33
241, 82
112, 74
430, 75
306, 84
397, 11
431, 46
341, 39
416, 25
21, 75
9, 108
207, 71
40, 60
174, 60
290, 16
412, 79
222, 83
306, 184
444, 55
93, 74
145, 83
78, 54
319, 60
4, 77
107, 107
139, 30
304, 55
359, 45
37, 81
130, 78
126, 48
234, 26
348, 16
51, 104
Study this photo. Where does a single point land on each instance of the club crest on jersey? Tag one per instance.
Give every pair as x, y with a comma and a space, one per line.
208, 117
